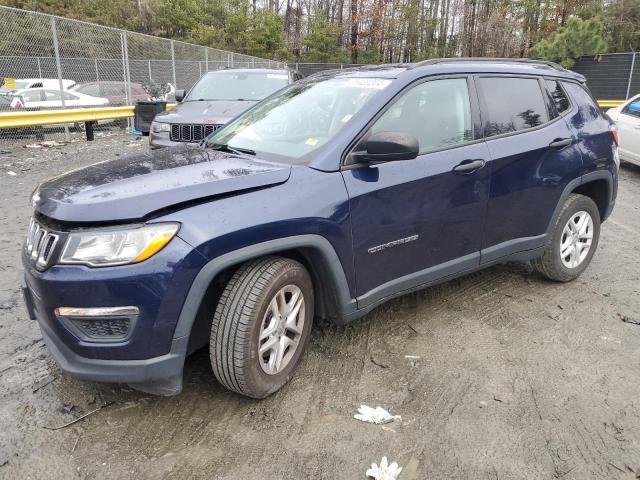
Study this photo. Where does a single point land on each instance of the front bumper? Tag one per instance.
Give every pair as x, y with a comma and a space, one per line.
150, 358
161, 375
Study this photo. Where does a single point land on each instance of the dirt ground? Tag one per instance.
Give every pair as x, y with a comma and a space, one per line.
516, 378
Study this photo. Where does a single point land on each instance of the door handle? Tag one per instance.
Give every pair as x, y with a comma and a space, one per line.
561, 143
468, 166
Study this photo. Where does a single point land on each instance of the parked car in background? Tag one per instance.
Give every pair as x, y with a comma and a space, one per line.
52, 98
627, 119
332, 196
115, 92
54, 83
214, 100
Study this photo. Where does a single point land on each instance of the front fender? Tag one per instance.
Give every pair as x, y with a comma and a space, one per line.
320, 245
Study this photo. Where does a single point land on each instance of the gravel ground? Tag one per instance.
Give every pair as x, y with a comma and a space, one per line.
516, 378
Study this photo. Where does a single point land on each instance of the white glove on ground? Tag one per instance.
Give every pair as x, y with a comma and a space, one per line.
384, 471
376, 415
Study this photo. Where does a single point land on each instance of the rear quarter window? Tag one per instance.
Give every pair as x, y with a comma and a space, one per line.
512, 104
558, 95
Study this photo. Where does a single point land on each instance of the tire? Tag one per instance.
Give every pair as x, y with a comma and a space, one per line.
552, 264
246, 311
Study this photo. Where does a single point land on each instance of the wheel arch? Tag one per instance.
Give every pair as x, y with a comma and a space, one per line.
333, 298
599, 184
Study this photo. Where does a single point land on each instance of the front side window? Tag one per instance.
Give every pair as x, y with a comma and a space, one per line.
560, 99
633, 109
115, 90
513, 104
51, 95
237, 86
437, 113
299, 119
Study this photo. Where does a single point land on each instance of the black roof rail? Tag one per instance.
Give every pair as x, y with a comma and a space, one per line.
433, 61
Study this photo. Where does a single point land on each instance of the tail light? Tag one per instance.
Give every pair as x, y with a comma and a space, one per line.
614, 132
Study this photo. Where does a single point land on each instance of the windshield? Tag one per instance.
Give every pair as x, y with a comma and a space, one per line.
298, 120
237, 86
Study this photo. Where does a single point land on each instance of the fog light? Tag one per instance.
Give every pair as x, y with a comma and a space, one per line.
99, 324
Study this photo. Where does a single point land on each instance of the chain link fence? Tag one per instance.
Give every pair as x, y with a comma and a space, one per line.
108, 66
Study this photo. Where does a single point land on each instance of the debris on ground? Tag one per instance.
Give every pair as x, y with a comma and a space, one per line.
412, 357
627, 319
11, 173
385, 471
82, 417
378, 363
376, 415
47, 144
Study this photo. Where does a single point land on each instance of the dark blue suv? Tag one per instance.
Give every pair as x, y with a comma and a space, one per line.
326, 199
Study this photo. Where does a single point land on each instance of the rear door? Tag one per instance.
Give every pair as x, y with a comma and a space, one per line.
419, 220
533, 157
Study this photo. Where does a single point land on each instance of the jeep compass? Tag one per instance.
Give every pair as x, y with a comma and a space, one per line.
326, 199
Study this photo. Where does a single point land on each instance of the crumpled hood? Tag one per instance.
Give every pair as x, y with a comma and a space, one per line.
131, 187
212, 112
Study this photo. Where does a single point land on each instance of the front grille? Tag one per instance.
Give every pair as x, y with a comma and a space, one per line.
103, 328
40, 244
187, 132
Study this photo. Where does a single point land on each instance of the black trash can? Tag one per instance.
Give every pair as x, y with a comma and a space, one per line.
144, 113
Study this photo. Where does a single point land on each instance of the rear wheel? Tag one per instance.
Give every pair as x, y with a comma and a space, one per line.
262, 326
573, 241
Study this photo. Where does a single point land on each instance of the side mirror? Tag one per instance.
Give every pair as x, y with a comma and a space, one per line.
388, 147
180, 94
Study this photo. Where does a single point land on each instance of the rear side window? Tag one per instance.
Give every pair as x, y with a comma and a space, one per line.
513, 104
632, 109
558, 96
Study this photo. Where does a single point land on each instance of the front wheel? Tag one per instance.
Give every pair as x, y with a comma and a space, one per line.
573, 241
262, 326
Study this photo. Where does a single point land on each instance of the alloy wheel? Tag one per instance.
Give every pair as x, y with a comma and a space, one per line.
281, 329
576, 239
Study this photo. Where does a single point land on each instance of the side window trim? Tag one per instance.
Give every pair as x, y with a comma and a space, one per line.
475, 117
484, 110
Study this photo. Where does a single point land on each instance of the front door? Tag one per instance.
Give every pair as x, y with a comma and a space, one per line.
418, 220
629, 132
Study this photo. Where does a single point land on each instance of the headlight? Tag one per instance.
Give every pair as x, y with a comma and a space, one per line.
117, 246
158, 127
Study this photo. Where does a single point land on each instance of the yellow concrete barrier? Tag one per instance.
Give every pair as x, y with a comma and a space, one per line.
610, 103
23, 118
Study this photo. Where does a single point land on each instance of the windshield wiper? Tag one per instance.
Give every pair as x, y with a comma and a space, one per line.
223, 147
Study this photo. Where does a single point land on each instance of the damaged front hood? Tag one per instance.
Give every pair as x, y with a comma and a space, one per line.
132, 187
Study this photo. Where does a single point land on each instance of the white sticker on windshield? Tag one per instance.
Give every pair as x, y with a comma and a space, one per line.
374, 83
280, 76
